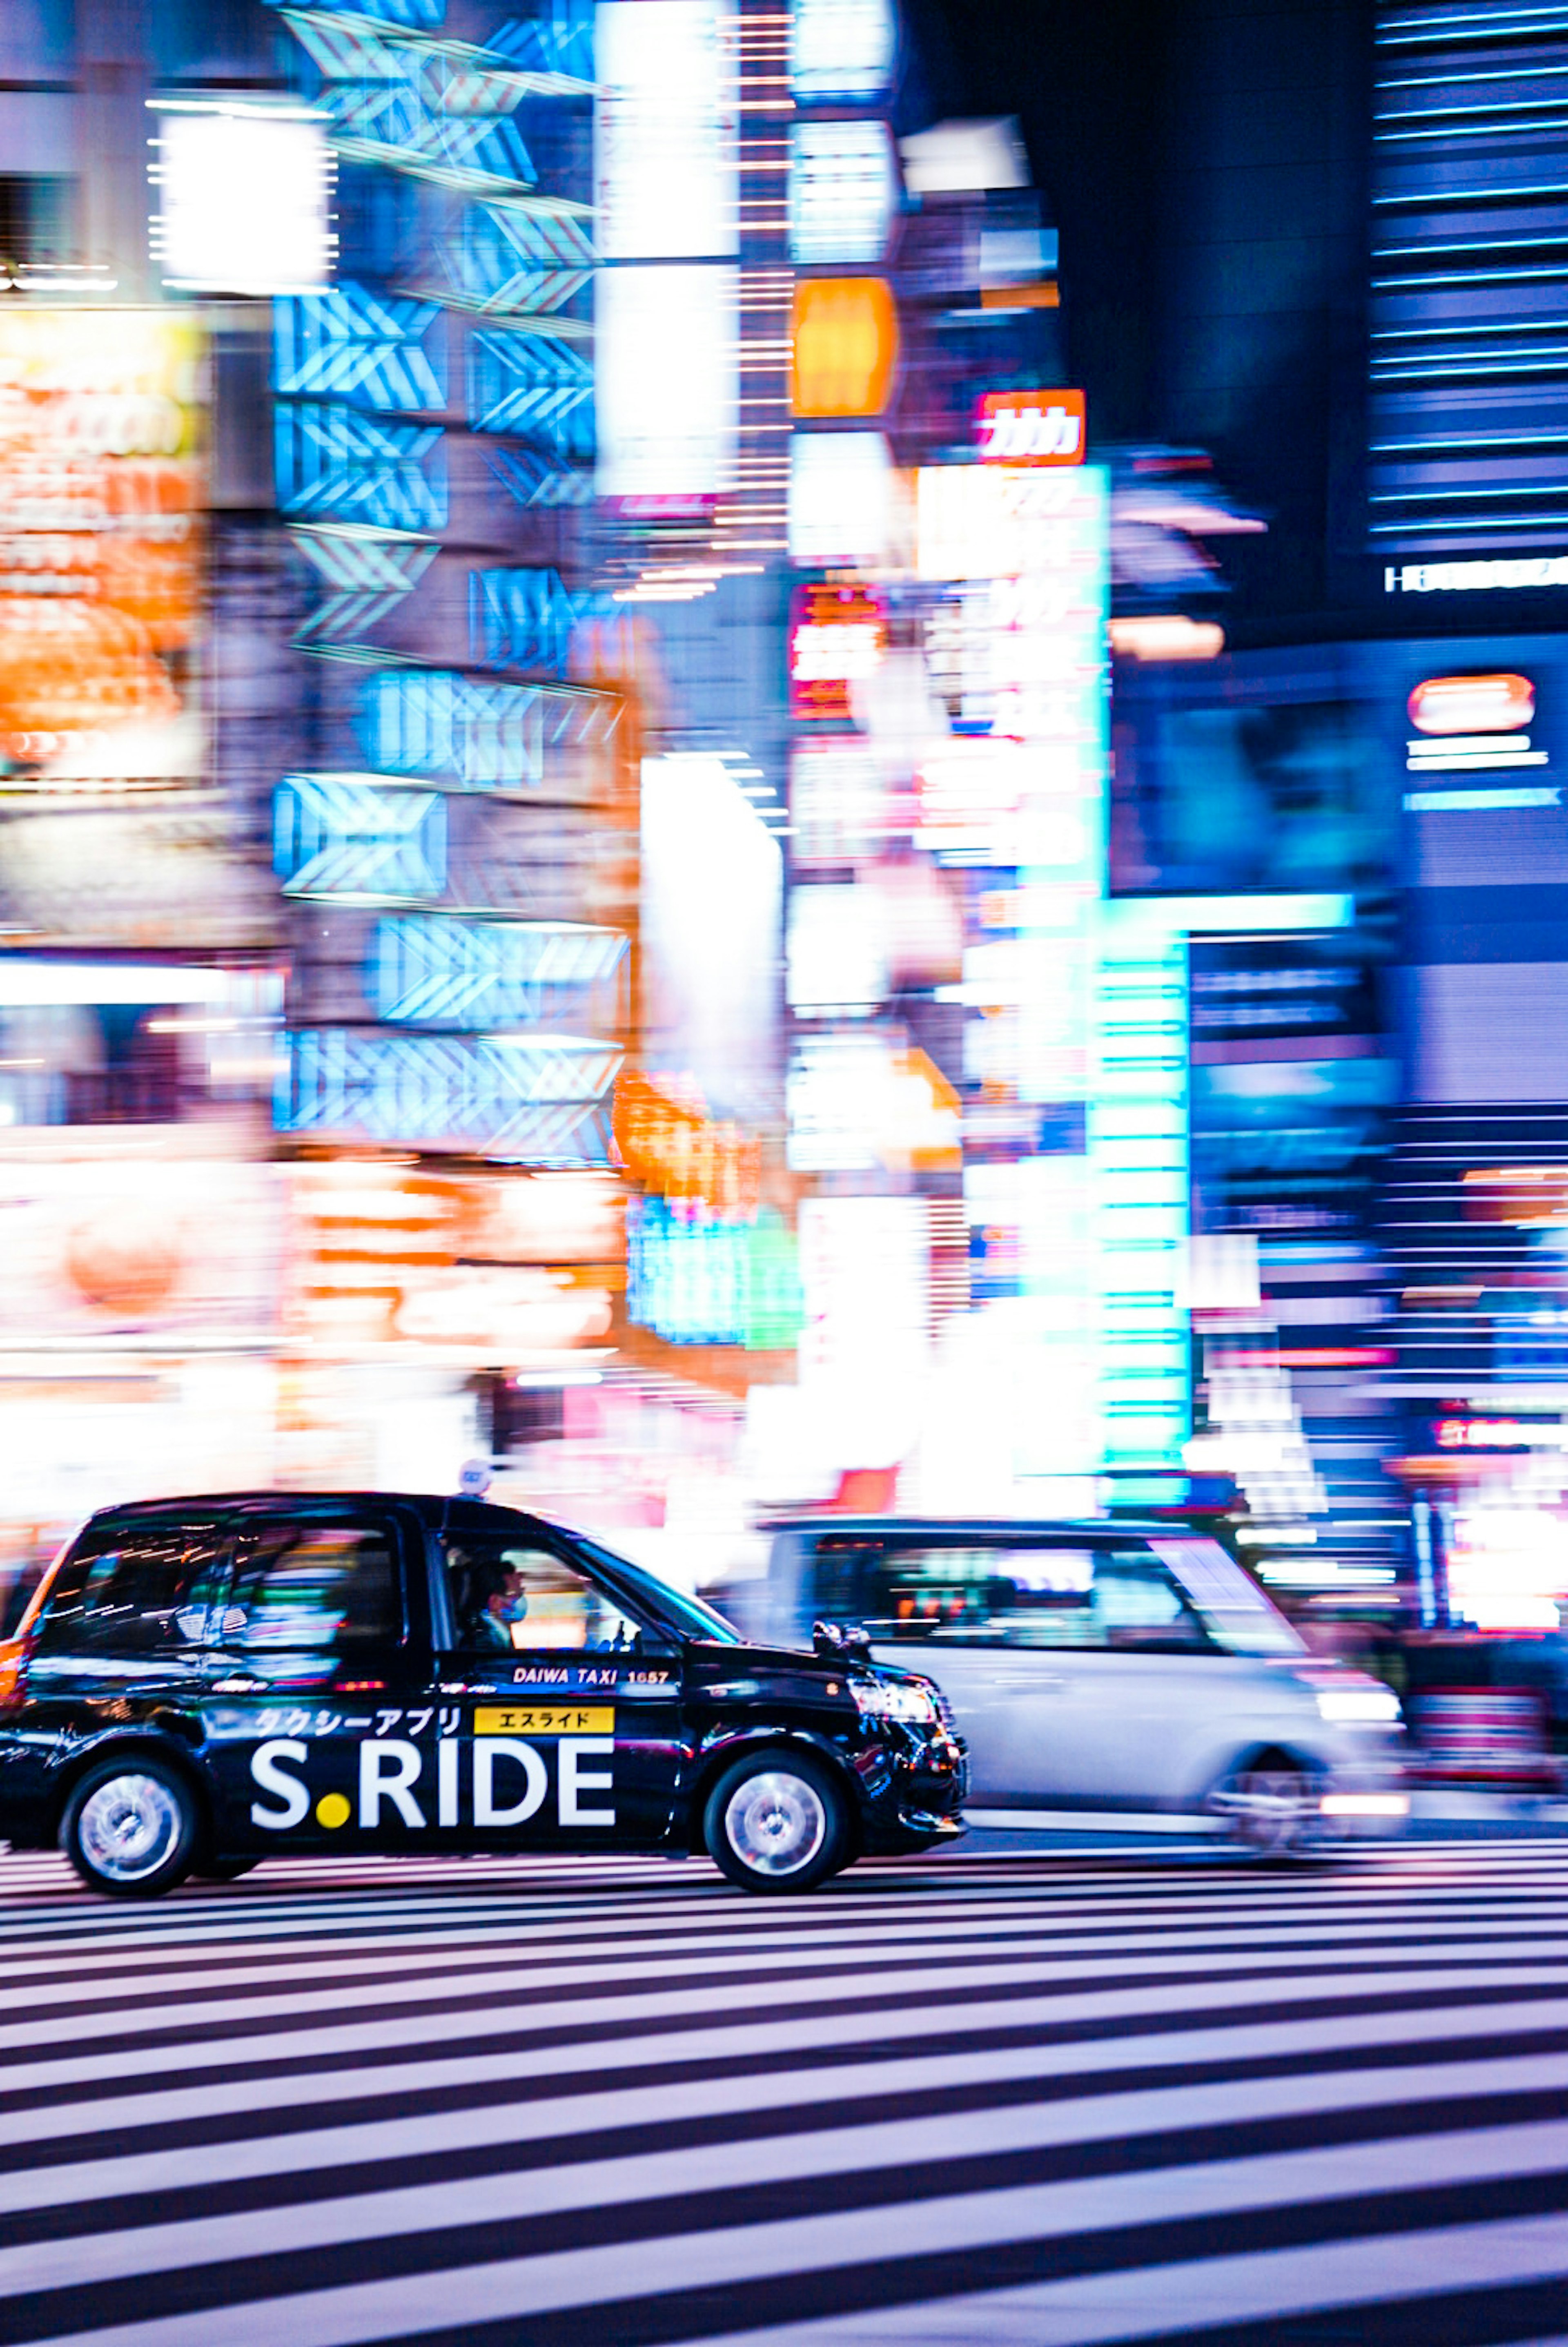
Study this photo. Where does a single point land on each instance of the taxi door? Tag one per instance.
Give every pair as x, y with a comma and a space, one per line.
570, 1705
319, 1731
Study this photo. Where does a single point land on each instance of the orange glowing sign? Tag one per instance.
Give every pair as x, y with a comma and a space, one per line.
673, 1149
1471, 704
1033, 427
844, 340
101, 490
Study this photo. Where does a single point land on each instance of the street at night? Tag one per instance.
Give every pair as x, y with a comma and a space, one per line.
1068, 2096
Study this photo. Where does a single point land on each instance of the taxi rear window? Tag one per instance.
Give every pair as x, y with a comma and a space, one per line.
131, 1591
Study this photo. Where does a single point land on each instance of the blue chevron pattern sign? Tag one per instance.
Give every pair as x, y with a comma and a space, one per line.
395, 123
532, 476
520, 619
507, 262
429, 970
415, 16
559, 40
332, 463
351, 343
350, 836
532, 386
483, 736
543, 1099
432, 722
368, 577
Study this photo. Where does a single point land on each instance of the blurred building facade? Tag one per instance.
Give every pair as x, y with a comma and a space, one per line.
1358, 273
639, 846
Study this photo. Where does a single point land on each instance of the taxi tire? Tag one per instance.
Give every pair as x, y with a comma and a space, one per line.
164, 1799
832, 1852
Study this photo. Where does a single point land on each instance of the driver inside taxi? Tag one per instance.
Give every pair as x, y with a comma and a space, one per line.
506, 1605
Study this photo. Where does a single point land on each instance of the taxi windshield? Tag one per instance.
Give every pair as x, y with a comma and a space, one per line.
686, 1618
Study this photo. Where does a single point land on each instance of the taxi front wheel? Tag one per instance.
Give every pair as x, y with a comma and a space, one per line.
775, 1821
130, 1828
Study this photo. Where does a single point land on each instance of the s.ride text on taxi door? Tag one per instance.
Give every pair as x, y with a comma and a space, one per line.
389, 1768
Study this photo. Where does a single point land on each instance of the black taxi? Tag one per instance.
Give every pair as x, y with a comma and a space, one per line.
200, 1683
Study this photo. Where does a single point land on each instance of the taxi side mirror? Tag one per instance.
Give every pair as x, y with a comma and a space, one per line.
833, 1639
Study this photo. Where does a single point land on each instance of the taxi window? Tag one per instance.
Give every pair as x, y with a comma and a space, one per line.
132, 1591
1029, 1596
507, 1596
313, 1588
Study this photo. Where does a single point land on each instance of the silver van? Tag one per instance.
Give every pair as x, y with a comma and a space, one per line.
1101, 1665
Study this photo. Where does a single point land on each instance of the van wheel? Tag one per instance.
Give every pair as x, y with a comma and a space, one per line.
1272, 1806
130, 1828
775, 1821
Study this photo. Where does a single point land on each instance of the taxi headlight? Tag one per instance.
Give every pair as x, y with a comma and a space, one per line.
1359, 1707
894, 1699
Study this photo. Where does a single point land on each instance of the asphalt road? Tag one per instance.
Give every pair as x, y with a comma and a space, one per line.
1033, 2099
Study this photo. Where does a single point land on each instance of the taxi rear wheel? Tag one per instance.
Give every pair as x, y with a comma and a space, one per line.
130, 1828
776, 1822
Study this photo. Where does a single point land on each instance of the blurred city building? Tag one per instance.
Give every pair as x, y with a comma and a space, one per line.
669, 832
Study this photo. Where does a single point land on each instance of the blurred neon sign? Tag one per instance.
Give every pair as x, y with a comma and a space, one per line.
671, 1146
843, 191
844, 336
837, 637
1031, 428
1471, 704
1484, 1434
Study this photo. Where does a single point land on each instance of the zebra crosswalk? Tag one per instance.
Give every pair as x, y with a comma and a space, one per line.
536, 2103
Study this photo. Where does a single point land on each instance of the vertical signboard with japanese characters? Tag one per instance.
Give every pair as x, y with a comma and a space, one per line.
1017, 799
101, 493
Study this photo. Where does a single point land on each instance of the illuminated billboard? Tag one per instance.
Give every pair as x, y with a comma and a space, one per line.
666, 385
665, 131
843, 191
102, 487
243, 189
844, 336
1031, 428
837, 636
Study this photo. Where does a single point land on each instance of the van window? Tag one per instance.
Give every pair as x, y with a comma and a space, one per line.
1239, 1614
1005, 1595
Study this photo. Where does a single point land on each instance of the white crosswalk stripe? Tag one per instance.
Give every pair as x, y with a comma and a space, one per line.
534, 2103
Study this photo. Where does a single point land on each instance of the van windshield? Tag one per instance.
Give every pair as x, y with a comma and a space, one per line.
1235, 1610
